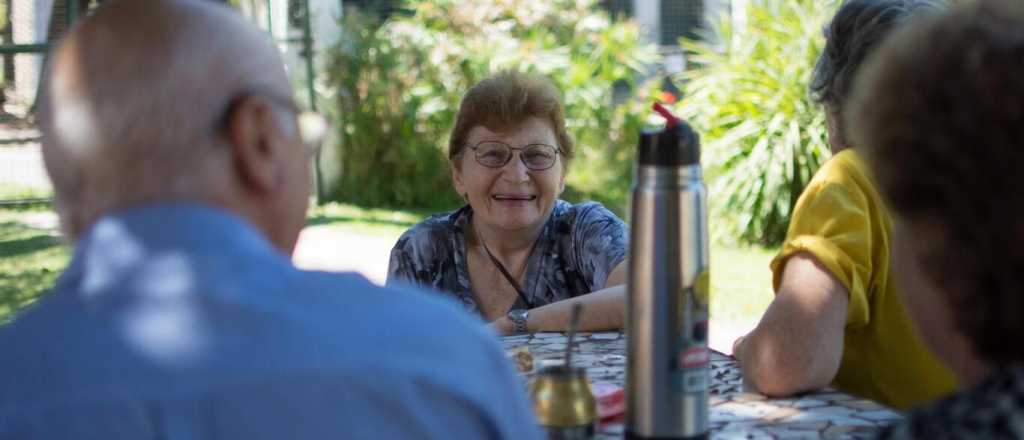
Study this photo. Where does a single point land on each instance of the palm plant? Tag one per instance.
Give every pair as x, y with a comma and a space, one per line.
764, 137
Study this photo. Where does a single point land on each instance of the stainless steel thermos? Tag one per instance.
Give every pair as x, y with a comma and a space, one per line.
667, 307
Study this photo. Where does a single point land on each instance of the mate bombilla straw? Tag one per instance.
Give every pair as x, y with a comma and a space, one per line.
574, 322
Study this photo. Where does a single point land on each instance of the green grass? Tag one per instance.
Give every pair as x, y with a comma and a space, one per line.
32, 257
11, 191
741, 285
377, 222
30, 260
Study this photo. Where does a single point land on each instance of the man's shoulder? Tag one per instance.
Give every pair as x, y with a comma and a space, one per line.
405, 310
407, 331
318, 328
336, 320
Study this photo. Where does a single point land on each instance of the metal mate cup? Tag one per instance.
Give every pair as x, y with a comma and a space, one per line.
564, 403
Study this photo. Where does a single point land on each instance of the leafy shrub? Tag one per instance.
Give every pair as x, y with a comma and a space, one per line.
395, 86
763, 135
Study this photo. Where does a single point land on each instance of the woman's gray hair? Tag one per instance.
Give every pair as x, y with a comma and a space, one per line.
856, 29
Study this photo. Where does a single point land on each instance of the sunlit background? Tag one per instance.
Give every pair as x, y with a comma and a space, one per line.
389, 76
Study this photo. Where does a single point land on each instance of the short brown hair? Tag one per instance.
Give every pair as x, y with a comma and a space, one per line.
940, 113
505, 100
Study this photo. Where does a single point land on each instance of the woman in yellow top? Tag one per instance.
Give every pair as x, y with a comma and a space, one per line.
836, 317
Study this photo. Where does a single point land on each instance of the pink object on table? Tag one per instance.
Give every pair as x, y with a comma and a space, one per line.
611, 399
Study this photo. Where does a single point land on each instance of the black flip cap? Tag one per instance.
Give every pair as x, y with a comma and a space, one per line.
673, 146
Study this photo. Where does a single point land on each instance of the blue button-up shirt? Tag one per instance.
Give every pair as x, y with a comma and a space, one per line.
182, 322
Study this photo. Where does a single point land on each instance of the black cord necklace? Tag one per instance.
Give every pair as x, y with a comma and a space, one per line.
501, 268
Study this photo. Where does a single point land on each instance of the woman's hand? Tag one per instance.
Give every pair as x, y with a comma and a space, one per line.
502, 326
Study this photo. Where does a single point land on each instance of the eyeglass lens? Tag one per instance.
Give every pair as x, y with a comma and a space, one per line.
537, 157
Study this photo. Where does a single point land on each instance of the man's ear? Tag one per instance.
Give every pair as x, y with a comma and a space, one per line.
256, 143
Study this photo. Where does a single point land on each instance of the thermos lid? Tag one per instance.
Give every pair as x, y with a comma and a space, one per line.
675, 145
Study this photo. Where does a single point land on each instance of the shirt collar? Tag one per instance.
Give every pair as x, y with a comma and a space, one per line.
122, 240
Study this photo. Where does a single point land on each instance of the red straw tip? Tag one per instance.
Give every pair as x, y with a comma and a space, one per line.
670, 119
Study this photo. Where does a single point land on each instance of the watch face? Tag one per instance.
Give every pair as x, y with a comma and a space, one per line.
518, 318
515, 314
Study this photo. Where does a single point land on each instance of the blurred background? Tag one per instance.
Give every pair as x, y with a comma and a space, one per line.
389, 74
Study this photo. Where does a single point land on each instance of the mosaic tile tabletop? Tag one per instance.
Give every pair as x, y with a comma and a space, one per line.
735, 413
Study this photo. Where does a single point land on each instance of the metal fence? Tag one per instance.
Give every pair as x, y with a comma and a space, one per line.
23, 178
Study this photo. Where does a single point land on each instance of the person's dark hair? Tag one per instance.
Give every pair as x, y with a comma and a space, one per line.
855, 30
505, 100
940, 112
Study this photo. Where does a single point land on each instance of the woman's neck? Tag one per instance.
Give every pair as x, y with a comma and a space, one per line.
504, 245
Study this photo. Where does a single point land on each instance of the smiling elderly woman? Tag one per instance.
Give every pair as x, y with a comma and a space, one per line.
516, 254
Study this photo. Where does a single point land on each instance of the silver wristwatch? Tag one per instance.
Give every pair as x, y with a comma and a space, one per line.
518, 318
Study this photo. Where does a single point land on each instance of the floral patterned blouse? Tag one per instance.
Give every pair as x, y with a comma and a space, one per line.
577, 249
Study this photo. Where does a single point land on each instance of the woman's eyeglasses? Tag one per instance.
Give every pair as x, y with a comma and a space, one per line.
495, 154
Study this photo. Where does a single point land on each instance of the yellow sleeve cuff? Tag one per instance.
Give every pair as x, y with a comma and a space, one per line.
841, 266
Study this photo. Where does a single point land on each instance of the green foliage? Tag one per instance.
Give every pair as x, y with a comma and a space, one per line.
763, 135
395, 88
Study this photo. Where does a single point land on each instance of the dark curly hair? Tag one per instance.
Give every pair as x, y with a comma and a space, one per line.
939, 110
855, 30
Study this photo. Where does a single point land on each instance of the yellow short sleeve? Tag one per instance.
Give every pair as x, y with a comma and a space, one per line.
833, 223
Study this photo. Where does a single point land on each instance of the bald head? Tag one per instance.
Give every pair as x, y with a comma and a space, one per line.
136, 99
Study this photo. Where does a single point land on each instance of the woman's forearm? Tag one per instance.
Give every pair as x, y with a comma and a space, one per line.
798, 344
602, 310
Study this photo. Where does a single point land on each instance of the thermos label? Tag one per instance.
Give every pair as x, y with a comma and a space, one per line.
690, 369
691, 374
702, 287
695, 357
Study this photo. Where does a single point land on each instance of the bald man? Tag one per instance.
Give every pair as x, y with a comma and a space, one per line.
181, 178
